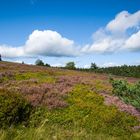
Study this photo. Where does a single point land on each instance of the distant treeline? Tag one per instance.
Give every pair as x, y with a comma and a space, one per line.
128, 71
124, 70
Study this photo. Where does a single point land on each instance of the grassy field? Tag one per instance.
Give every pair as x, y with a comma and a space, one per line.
61, 104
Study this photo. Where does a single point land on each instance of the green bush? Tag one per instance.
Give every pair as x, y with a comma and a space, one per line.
14, 109
39, 62
129, 93
70, 65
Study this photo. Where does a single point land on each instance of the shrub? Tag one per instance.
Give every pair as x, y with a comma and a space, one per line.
0, 58
39, 62
14, 109
129, 93
70, 65
47, 65
119, 87
93, 66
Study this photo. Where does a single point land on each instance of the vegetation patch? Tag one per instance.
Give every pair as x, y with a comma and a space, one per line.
86, 117
129, 93
59, 104
41, 77
14, 109
5, 76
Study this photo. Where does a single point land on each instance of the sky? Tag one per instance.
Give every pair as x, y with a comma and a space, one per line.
106, 32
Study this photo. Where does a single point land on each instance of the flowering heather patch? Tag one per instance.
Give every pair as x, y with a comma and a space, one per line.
1, 77
34, 94
51, 95
5, 76
55, 102
71, 100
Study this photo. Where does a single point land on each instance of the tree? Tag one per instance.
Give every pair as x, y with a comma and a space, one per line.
70, 65
47, 65
39, 62
0, 58
93, 66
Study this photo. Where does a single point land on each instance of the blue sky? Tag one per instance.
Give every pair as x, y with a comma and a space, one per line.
76, 21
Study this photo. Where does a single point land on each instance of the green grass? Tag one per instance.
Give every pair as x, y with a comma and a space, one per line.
40, 76
86, 117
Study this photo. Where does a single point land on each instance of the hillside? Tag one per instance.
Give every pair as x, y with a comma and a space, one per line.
39, 103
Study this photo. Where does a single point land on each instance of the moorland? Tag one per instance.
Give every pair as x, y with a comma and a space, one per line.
41, 103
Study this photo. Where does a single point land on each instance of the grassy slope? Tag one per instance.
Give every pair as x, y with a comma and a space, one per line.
70, 107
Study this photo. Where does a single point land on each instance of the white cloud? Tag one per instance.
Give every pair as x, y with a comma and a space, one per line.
9, 51
133, 42
106, 45
124, 21
86, 66
44, 43
49, 43
120, 34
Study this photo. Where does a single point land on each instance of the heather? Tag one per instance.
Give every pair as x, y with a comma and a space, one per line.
50, 103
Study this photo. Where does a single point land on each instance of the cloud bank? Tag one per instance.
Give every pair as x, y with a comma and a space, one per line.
120, 34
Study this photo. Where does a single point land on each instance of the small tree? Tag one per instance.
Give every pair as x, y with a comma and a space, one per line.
93, 66
0, 58
70, 65
47, 65
39, 62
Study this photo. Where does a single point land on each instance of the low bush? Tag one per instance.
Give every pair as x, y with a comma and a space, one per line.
129, 93
14, 109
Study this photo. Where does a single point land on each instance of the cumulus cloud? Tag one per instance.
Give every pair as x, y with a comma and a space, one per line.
124, 21
133, 42
44, 43
122, 33
106, 45
49, 43
9, 51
